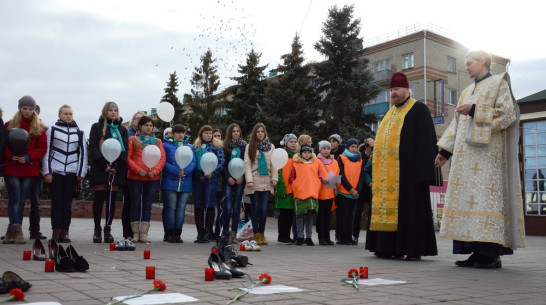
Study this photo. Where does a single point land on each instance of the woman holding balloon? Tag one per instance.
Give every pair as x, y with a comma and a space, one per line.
176, 183
234, 179
261, 178
210, 163
145, 162
107, 157
25, 145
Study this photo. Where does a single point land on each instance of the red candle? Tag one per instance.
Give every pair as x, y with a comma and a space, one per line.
146, 254
363, 272
242, 247
112, 247
209, 274
150, 273
49, 266
26, 255
214, 250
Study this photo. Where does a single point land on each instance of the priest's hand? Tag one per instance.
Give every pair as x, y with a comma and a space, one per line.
464, 109
440, 160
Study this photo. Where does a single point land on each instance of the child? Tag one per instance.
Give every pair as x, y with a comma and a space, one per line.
326, 195
306, 179
284, 201
351, 169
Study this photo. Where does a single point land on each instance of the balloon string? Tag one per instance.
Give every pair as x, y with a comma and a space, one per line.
110, 183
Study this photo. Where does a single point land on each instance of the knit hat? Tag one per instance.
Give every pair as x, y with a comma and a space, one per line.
305, 147
336, 137
27, 100
323, 144
168, 129
287, 137
351, 141
400, 80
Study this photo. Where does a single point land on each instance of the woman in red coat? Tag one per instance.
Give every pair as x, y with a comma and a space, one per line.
21, 169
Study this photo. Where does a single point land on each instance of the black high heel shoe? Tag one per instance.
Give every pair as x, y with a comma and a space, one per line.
12, 280
80, 263
38, 251
220, 269
63, 263
226, 260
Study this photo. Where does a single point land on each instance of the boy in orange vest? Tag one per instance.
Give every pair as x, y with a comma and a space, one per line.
306, 180
326, 194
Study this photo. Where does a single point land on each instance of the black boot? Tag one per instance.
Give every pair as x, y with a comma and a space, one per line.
108, 238
200, 224
97, 236
170, 236
209, 222
177, 238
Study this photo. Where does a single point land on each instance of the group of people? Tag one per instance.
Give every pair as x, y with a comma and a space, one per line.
483, 211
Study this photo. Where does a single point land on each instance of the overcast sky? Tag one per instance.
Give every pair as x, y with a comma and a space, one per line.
85, 53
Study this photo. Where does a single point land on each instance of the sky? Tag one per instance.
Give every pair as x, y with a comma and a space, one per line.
84, 53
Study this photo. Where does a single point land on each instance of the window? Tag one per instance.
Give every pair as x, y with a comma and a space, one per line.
451, 97
407, 61
382, 65
412, 88
451, 67
383, 97
534, 155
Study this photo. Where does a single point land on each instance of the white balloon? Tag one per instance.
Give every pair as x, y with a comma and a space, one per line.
236, 168
151, 155
165, 111
110, 149
279, 157
208, 162
183, 156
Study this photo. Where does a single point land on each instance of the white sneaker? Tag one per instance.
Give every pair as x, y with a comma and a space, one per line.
255, 246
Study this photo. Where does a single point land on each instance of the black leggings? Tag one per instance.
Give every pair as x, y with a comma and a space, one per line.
100, 197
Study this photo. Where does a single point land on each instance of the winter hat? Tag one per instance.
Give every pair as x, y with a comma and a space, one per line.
27, 100
287, 137
168, 129
351, 141
323, 144
400, 80
305, 147
336, 137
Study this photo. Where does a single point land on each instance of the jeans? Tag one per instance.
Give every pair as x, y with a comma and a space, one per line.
323, 218
307, 221
204, 191
35, 212
142, 195
18, 188
62, 190
259, 211
232, 204
346, 207
175, 208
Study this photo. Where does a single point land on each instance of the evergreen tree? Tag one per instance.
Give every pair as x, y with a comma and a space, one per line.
344, 80
170, 97
248, 94
291, 102
205, 82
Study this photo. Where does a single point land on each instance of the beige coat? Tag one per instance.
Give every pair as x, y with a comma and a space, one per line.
261, 183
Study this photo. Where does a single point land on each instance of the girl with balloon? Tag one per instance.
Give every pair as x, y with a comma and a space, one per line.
234, 179
64, 165
145, 162
284, 199
261, 178
176, 183
25, 145
210, 163
107, 157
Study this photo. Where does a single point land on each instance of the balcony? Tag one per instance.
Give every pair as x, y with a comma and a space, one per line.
379, 109
383, 76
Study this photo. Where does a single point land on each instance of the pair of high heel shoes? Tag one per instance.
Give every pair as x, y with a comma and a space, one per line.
66, 261
223, 268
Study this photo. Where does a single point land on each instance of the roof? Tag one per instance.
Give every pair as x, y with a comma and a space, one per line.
533, 98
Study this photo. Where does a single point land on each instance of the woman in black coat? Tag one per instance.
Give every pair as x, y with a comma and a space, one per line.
104, 177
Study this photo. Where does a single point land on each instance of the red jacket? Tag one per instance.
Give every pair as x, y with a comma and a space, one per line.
36, 149
135, 162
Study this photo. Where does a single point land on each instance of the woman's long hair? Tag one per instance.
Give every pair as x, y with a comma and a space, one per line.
228, 138
253, 143
215, 142
36, 127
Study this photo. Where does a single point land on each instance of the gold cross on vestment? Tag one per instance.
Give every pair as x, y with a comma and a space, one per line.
491, 189
486, 223
476, 168
471, 202
456, 184
467, 236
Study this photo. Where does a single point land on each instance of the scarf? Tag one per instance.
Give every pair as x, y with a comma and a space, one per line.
264, 145
115, 134
236, 146
324, 160
200, 152
178, 143
147, 139
353, 157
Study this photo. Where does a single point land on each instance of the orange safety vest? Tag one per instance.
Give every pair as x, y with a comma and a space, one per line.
351, 171
286, 170
307, 183
325, 192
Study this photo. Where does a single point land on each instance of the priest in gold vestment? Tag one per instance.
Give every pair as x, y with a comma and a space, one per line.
483, 213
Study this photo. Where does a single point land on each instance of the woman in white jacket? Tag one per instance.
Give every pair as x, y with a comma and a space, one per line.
64, 165
261, 178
